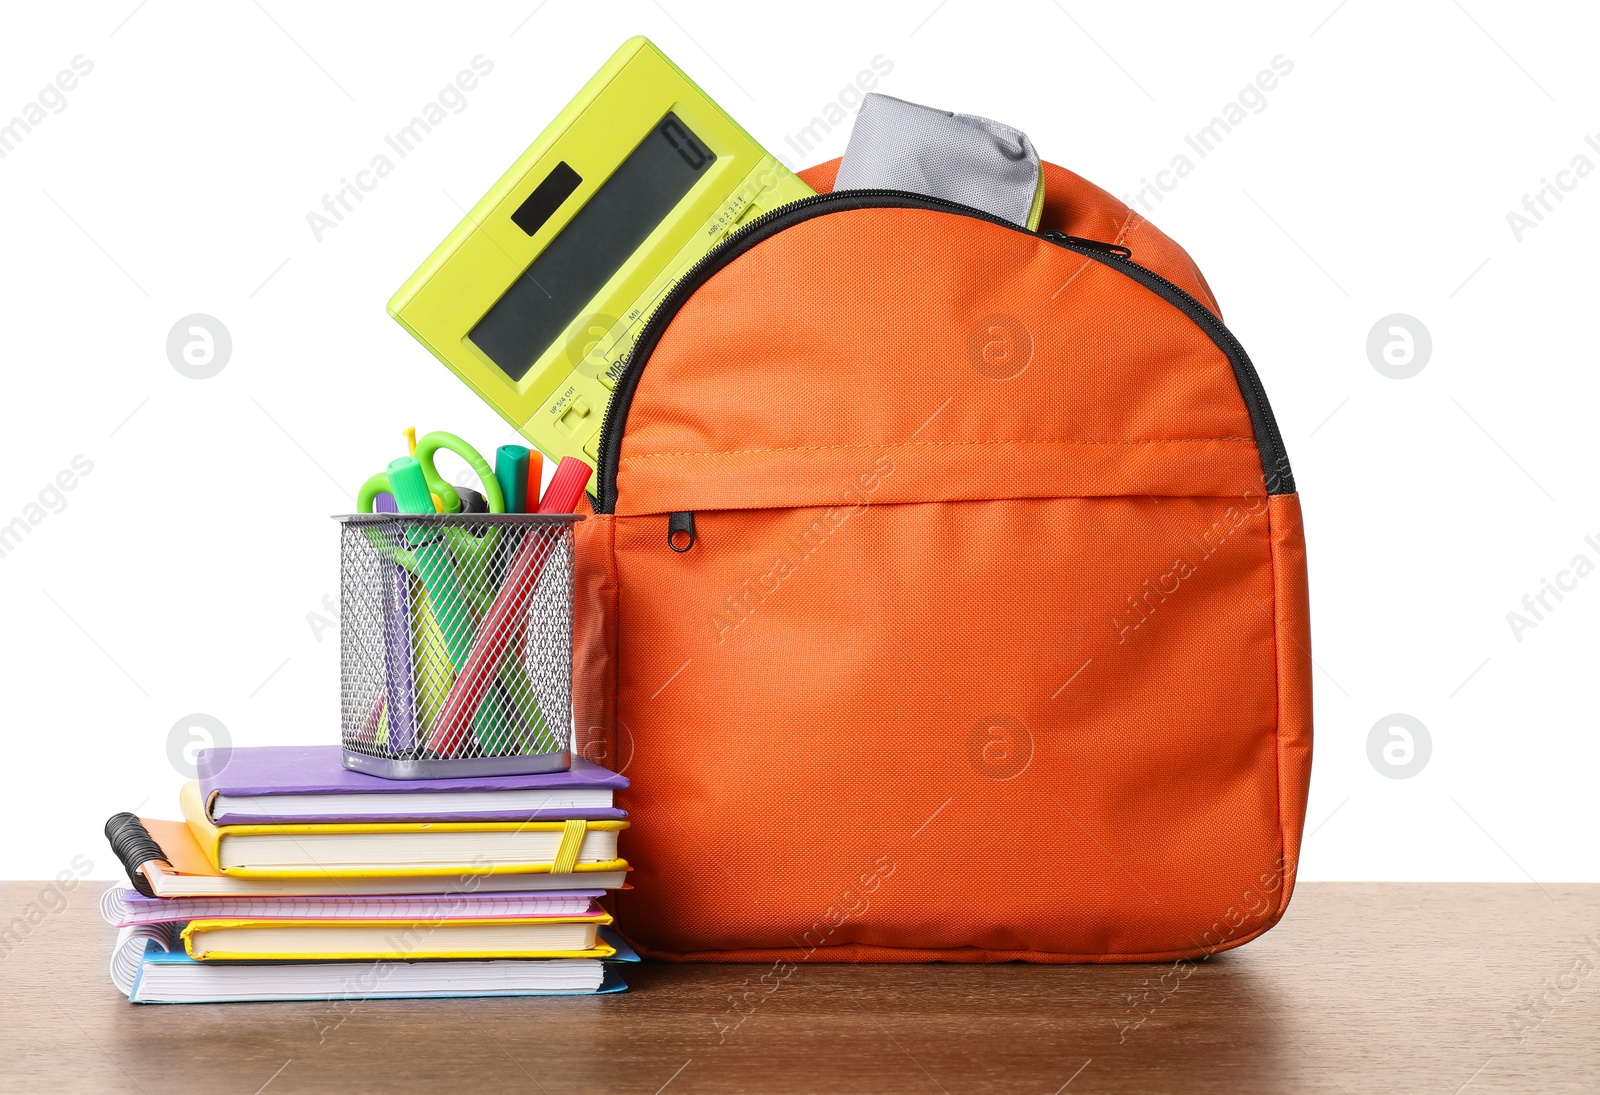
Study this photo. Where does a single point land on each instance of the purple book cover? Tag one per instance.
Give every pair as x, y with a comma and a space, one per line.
270, 770
121, 907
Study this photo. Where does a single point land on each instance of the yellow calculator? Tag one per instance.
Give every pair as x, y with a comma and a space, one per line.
536, 298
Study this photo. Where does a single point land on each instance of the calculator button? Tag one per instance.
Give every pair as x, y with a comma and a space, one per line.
575, 414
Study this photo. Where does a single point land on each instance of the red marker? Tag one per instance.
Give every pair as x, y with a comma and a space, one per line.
501, 622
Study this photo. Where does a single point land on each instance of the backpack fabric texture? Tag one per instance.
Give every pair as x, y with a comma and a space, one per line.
981, 633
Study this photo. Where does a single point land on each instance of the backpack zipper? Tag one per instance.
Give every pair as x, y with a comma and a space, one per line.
1263, 422
1269, 441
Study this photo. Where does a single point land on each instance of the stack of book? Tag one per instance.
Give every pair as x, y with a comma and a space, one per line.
291, 878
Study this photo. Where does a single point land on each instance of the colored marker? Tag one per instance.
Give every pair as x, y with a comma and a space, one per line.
535, 480
433, 562
511, 469
517, 467
500, 624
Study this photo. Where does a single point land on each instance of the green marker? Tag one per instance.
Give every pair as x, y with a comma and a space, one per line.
438, 575
412, 496
511, 470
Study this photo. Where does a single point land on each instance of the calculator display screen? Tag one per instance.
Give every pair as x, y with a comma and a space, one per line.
595, 243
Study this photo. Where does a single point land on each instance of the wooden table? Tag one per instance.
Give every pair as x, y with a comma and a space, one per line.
1363, 987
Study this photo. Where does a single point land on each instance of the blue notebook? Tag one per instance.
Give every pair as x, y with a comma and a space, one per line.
152, 969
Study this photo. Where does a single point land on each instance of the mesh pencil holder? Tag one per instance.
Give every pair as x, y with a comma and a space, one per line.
456, 643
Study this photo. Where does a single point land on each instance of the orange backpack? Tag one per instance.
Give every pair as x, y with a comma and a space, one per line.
945, 597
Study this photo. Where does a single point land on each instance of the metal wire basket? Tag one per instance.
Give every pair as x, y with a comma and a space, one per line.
456, 643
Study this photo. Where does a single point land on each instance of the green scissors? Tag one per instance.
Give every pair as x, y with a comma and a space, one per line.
472, 552
448, 499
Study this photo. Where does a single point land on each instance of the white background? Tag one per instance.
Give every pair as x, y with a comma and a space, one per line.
185, 571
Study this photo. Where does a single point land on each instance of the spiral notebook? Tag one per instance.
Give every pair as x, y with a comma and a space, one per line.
121, 907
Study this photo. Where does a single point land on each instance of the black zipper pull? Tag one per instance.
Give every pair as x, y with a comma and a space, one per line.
1065, 240
680, 531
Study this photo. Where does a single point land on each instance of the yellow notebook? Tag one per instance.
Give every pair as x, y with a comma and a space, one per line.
186, 872
396, 940
391, 849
